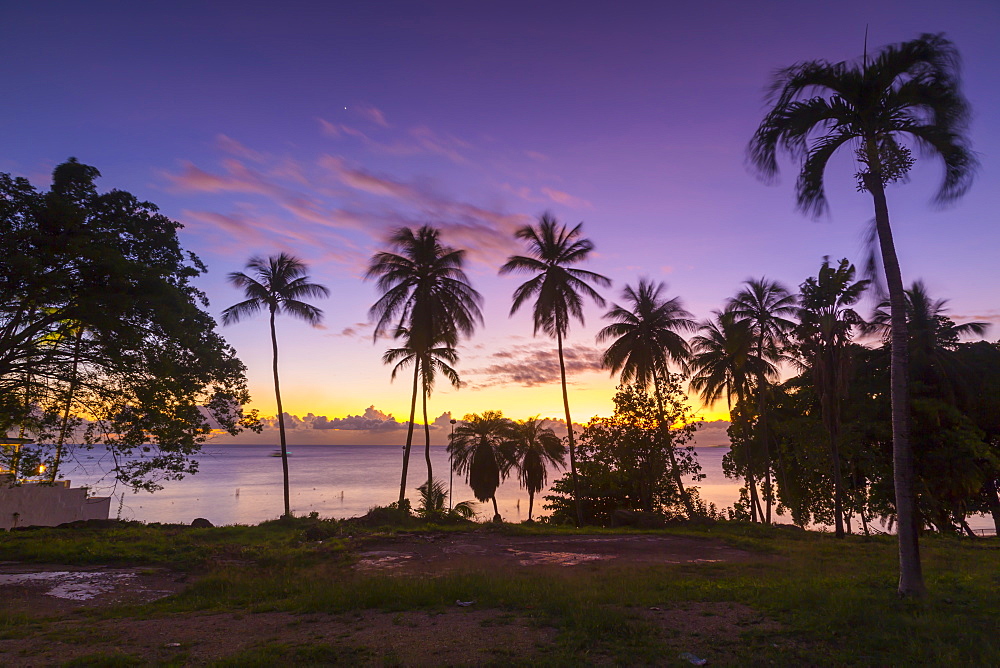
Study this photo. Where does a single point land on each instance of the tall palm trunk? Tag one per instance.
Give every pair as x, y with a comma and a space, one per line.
993, 499
427, 440
756, 513
61, 443
911, 579
838, 479
569, 430
409, 433
762, 429
281, 419
665, 429
531, 503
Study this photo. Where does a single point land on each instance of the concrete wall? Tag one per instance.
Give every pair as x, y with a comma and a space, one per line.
48, 506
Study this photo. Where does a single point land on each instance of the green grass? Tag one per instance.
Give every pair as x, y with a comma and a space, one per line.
835, 600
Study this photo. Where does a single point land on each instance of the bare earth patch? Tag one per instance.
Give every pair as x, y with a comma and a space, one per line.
432, 553
58, 602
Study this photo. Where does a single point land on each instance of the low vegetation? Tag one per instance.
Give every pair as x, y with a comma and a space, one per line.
799, 597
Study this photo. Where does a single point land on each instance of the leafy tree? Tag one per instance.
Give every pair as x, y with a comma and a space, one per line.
558, 289
765, 305
906, 90
102, 328
279, 286
536, 447
646, 339
624, 459
980, 362
824, 334
483, 452
425, 293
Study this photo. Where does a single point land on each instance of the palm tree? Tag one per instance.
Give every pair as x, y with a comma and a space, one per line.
426, 292
280, 285
907, 90
427, 362
482, 452
535, 448
645, 341
932, 336
432, 497
722, 363
826, 323
764, 305
559, 290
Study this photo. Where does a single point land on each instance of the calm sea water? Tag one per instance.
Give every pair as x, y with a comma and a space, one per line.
241, 484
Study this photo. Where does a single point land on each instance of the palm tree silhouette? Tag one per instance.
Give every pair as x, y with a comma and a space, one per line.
906, 90
535, 448
933, 336
645, 341
722, 363
764, 305
426, 293
559, 291
427, 362
279, 287
482, 451
826, 323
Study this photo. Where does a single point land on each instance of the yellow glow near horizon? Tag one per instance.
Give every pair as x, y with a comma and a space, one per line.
586, 401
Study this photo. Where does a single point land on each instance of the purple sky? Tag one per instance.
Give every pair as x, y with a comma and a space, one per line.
315, 129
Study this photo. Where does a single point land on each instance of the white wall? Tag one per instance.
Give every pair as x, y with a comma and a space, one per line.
48, 506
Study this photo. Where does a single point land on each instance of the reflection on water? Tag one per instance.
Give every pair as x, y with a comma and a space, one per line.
241, 484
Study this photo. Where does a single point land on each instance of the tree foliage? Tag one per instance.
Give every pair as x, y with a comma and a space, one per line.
101, 325
624, 460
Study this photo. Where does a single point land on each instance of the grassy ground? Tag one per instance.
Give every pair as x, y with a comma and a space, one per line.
805, 598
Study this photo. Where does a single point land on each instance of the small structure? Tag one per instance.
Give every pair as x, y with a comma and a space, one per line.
25, 503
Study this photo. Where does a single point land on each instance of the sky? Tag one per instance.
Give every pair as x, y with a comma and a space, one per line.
318, 128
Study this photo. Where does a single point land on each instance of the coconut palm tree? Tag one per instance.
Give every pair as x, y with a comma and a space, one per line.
279, 285
764, 305
908, 91
427, 362
933, 335
536, 447
826, 325
723, 363
559, 290
645, 341
482, 451
425, 292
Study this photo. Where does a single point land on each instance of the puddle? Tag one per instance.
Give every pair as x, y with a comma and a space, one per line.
555, 558
382, 560
68, 585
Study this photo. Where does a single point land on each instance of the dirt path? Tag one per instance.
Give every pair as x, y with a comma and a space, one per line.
433, 553
52, 607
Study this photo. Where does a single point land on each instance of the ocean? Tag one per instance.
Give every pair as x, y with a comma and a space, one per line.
241, 484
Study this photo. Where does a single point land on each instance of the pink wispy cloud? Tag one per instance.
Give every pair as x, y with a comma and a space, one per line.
373, 115
337, 197
231, 146
564, 198
532, 365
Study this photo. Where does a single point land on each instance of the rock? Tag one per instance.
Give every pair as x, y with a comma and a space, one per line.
201, 523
